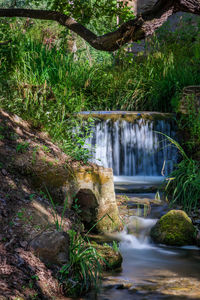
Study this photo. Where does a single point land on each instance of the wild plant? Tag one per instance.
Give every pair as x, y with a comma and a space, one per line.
83, 270
22, 147
76, 207
183, 185
115, 246
191, 123
58, 221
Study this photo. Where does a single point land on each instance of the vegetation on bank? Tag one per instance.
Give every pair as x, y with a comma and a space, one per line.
43, 81
183, 187
40, 65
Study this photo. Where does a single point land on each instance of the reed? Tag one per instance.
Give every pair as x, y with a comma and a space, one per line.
183, 187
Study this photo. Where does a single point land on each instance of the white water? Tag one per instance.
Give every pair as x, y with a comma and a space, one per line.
133, 149
142, 228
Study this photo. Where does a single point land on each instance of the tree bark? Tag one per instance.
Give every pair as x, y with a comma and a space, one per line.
133, 30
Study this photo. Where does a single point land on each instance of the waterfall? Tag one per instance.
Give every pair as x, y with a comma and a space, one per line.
134, 148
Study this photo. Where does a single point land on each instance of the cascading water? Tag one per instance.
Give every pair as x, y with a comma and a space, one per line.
134, 148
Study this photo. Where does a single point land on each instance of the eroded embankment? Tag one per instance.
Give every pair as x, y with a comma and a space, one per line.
31, 165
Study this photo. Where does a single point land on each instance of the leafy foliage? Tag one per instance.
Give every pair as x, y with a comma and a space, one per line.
85, 11
101, 15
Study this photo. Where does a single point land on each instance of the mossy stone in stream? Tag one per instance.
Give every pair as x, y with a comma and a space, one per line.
111, 259
174, 229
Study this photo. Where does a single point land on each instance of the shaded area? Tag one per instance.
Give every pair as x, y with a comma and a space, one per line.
87, 203
25, 213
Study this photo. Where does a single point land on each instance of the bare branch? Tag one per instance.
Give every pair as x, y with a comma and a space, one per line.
133, 30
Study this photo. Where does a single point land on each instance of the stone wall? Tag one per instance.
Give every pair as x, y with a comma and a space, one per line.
96, 197
91, 188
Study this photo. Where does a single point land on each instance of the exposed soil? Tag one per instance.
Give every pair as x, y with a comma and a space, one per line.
25, 213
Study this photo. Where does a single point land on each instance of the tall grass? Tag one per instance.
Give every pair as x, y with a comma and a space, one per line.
183, 186
45, 83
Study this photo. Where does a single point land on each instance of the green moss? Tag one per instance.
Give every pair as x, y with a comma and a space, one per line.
175, 228
110, 222
128, 116
111, 259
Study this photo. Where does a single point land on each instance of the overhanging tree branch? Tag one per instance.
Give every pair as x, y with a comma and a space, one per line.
133, 30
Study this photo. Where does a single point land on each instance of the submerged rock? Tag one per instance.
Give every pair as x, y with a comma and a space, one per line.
175, 229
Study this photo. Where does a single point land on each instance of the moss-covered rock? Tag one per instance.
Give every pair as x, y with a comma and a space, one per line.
111, 259
175, 229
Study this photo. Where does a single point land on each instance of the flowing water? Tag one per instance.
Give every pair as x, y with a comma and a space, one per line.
151, 271
140, 156
134, 148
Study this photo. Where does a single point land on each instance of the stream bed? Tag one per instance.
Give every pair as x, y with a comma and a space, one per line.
150, 271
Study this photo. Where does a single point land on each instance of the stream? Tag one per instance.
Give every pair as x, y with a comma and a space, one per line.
141, 158
150, 271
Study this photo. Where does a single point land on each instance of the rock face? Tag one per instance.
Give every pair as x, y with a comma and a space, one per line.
144, 5
51, 247
174, 229
96, 198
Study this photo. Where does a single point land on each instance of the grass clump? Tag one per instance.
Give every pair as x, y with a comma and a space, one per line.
189, 122
183, 186
83, 270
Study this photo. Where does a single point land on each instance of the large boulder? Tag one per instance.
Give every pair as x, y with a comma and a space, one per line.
175, 229
51, 247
